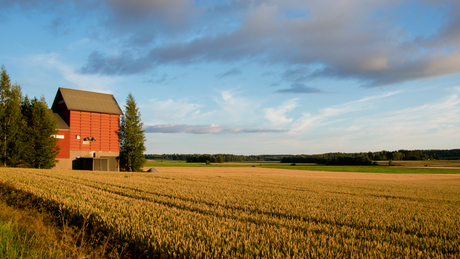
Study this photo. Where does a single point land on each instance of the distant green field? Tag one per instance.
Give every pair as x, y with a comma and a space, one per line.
357, 169
165, 161
168, 163
367, 169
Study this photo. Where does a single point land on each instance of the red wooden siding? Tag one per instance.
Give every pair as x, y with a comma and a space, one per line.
114, 129
103, 127
75, 130
63, 143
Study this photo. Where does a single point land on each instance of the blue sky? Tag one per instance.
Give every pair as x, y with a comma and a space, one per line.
252, 76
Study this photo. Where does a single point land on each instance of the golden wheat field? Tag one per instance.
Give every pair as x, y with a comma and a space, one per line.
258, 212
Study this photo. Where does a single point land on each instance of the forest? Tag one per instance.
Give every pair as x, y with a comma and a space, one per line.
337, 158
27, 128
215, 158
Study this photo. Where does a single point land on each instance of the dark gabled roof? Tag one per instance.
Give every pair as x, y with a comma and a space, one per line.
78, 100
61, 124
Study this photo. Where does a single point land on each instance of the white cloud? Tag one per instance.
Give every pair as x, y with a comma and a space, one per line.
277, 116
439, 116
353, 128
329, 114
97, 83
433, 125
167, 111
240, 108
203, 129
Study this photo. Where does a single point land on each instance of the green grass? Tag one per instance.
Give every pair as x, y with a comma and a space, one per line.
367, 169
9, 245
28, 233
24, 235
17, 242
165, 161
337, 168
168, 163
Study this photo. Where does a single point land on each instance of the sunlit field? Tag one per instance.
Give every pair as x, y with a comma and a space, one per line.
254, 212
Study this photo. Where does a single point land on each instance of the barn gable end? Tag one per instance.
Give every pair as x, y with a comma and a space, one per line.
90, 140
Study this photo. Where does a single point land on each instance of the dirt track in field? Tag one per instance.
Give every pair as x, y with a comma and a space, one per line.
307, 174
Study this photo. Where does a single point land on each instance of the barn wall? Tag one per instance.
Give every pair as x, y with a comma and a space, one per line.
103, 127
63, 137
94, 154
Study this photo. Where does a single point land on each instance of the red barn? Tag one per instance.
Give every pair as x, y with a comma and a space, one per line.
88, 124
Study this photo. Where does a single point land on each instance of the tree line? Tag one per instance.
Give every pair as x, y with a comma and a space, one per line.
27, 128
330, 159
327, 158
215, 158
369, 157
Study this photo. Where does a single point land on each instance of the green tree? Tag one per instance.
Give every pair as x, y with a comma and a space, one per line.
220, 159
400, 154
132, 138
11, 121
42, 146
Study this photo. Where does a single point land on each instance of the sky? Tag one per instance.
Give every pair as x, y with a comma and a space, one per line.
251, 77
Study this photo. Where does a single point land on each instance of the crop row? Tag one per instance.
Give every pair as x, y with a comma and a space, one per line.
212, 215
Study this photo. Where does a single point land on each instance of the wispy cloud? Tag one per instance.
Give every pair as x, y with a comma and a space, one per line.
277, 116
164, 111
349, 126
299, 88
203, 129
307, 121
438, 115
232, 72
239, 108
432, 125
99, 83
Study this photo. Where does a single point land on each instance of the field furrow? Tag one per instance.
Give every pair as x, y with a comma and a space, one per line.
246, 214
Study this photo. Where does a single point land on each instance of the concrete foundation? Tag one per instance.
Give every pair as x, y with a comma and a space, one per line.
90, 160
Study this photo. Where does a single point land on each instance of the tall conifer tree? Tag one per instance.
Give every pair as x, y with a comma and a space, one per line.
11, 121
132, 138
41, 127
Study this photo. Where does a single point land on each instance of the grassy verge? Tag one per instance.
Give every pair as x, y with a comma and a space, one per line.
368, 169
28, 233
11, 245
358, 169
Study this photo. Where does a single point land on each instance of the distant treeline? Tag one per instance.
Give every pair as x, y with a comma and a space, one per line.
328, 158
367, 158
216, 158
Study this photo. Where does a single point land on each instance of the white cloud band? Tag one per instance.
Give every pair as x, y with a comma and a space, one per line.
203, 129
